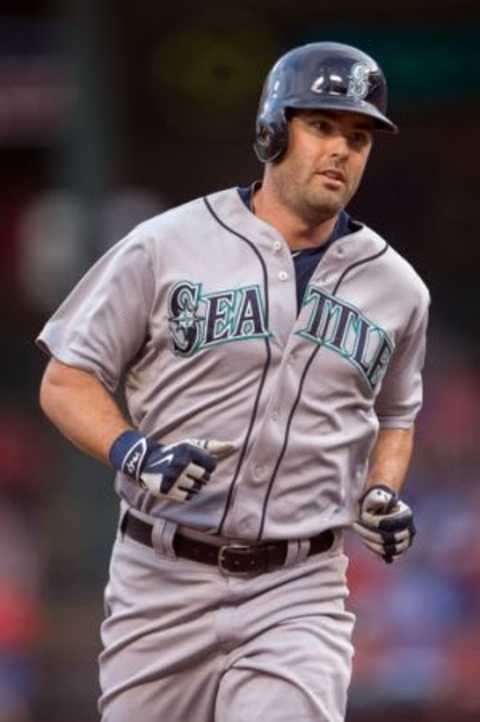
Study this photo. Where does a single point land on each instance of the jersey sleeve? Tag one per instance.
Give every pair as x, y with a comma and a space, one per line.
103, 323
400, 398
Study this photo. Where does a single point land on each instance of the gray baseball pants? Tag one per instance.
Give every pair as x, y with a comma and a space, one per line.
184, 643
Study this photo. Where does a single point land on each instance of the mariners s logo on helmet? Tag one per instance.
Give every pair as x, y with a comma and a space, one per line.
359, 80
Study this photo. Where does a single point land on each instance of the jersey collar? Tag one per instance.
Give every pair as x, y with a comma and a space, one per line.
236, 216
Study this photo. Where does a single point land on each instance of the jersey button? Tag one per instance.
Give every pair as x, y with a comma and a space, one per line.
277, 246
275, 415
283, 275
340, 251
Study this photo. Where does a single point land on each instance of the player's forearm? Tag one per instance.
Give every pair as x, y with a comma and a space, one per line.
390, 458
81, 408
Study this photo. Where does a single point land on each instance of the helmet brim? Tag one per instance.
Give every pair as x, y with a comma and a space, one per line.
345, 105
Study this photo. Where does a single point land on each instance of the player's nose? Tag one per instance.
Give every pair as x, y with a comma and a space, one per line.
339, 146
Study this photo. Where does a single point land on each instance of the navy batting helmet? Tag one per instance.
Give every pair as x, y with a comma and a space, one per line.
332, 76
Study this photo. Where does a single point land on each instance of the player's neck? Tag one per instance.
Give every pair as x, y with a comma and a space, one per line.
298, 232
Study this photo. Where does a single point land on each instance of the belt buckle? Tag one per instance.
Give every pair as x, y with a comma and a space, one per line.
222, 557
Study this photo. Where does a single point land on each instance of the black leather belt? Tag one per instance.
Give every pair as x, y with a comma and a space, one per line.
234, 558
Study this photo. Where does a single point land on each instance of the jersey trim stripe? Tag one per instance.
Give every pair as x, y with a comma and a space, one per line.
265, 367
300, 387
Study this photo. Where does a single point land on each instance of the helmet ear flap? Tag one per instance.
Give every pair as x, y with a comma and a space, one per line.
271, 139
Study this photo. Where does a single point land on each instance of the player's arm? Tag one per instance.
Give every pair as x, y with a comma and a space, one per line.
385, 522
79, 405
390, 458
81, 408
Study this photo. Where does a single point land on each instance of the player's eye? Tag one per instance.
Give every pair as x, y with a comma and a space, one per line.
323, 125
359, 139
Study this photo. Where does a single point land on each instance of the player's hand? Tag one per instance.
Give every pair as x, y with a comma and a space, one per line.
385, 523
174, 471
179, 471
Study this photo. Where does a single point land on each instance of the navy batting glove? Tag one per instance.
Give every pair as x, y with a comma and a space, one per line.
385, 523
174, 471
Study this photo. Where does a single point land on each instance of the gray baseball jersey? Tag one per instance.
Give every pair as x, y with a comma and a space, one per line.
197, 307
197, 311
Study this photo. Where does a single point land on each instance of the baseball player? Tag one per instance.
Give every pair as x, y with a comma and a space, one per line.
270, 349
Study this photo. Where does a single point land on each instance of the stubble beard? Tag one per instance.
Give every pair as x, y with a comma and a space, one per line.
313, 205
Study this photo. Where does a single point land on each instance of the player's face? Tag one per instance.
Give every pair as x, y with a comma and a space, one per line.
324, 163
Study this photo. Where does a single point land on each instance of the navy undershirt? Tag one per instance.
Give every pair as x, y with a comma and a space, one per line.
306, 261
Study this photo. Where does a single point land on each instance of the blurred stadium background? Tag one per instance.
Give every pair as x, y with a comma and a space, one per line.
113, 111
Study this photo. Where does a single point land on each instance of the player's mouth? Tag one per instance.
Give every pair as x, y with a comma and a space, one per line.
334, 178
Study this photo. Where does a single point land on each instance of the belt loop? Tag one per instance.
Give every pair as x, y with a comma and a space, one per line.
163, 532
297, 551
303, 550
292, 552
122, 521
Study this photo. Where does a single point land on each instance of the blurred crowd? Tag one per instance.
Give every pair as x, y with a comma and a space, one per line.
22, 561
418, 628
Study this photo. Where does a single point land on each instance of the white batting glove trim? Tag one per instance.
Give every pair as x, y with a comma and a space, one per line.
374, 519
181, 490
219, 449
376, 544
375, 536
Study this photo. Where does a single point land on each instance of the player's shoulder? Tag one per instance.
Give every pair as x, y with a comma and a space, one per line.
396, 270
174, 222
